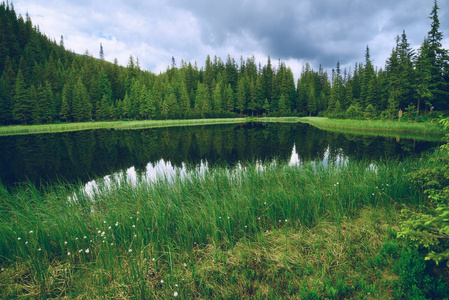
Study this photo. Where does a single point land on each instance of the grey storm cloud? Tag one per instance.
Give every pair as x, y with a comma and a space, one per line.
316, 31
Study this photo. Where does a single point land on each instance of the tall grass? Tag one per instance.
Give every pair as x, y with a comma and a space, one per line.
379, 126
127, 238
66, 127
376, 125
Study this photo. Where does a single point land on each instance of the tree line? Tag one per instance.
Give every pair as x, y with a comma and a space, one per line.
42, 82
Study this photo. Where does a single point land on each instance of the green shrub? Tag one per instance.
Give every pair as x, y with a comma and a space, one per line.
417, 279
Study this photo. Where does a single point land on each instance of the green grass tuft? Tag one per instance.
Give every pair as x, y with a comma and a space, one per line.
285, 231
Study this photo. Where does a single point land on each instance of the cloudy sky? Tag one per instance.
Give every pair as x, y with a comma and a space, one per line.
295, 31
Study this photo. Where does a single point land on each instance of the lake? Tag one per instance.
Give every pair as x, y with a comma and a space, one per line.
83, 156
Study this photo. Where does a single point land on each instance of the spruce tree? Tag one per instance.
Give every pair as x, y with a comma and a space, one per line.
65, 113
241, 95
36, 108
439, 63
21, 108
229, 98
423, 77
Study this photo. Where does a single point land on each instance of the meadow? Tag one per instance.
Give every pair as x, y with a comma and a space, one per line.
379, 126
310, 231
428, 128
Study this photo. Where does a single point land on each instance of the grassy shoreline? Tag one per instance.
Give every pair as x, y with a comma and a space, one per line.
325, 123
120, 125
377, 125
310, 232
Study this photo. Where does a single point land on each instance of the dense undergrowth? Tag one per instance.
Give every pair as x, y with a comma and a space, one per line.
311, 232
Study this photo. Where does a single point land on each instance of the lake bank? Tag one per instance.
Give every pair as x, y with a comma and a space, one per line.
325, 123
297, 232
427, 128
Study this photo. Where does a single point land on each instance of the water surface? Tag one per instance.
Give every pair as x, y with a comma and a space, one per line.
86, 155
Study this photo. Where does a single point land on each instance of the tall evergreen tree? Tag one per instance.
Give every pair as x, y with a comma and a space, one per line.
217, 99
81, 106
439, 63
241, 95
22, 107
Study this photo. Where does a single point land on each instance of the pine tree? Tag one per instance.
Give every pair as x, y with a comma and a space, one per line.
81, 106
406, 69
103, 87
36, 109
267, 80
200, 96
367, 77
144, 107
46, 102
423, 77
185, 100
101, 52
394, 83
439, 63
312, 106
217, 99
65, 113
229, 98
126, 106
104, 108
252, 104
282, 105
241, 95
22, 108
7, 81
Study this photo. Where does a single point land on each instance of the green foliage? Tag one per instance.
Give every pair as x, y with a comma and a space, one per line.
410, 111
370, 112
430, 228
247, 89
417, 281
354, 112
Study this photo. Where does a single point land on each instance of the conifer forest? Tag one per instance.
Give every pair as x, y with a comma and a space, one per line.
42, 82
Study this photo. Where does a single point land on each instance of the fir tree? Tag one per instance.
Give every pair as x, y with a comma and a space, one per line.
22, 107
439, 63
66, 103
241, 95
217, 99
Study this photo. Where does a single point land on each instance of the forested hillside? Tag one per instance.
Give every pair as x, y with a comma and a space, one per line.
42, 82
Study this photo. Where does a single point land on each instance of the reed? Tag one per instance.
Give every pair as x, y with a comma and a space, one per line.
191, 235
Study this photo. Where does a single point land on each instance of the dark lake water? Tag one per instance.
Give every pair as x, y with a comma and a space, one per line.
85, 155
